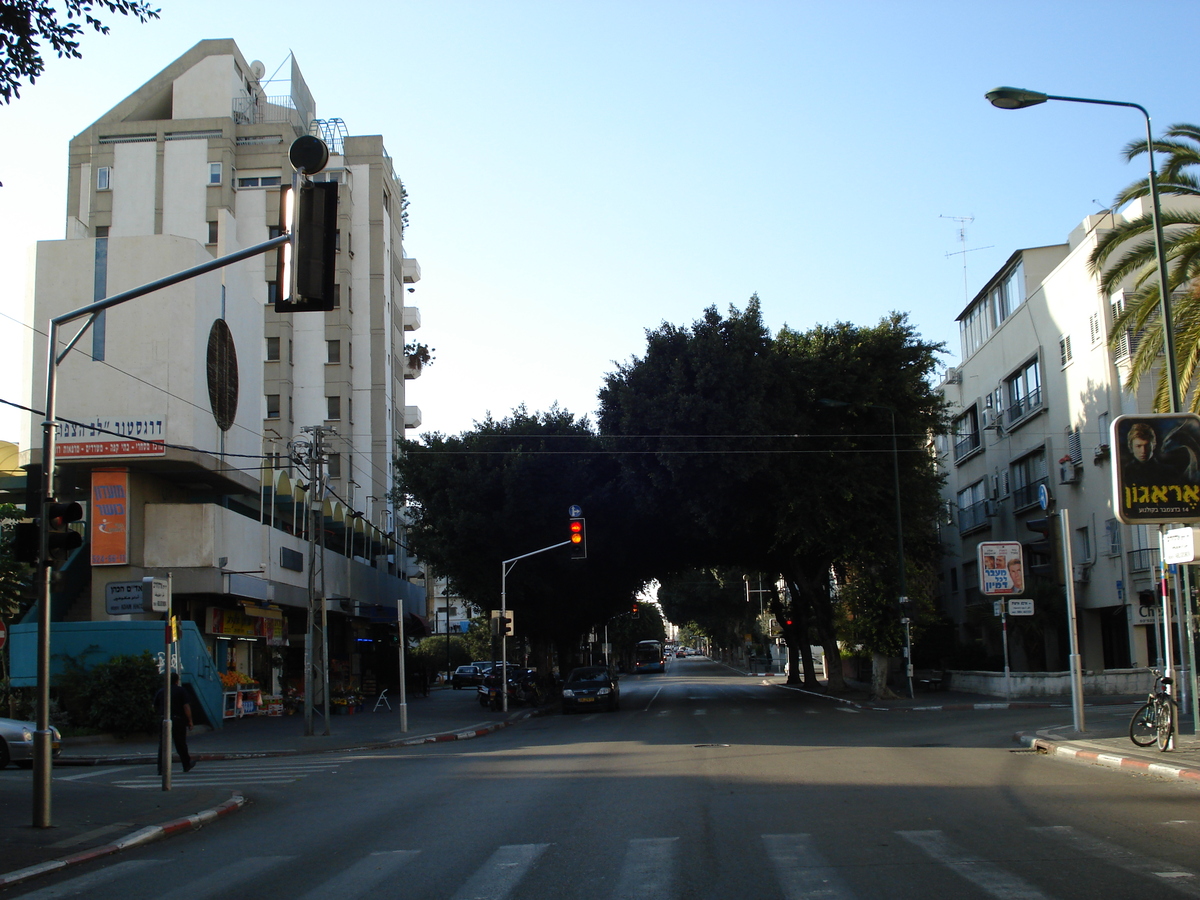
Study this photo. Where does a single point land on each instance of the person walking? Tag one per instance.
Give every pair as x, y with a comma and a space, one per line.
181, 724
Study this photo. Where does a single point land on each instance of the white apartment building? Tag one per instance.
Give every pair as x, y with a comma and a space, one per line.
185, 169
1031, 404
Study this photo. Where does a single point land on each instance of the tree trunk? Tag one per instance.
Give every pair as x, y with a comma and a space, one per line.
879, 677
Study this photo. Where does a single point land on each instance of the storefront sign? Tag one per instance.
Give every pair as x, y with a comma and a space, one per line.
110, 517
105, 437
234, 623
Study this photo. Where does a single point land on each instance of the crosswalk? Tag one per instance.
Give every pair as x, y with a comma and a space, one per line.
803, 865
240, 773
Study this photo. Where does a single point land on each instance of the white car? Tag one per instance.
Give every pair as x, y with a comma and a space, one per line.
16, 742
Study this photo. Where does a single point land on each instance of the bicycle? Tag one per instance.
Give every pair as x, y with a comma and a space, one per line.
1154, 722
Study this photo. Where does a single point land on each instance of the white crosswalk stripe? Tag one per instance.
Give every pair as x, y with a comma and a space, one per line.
984, 875
1180, 879
648, 870
363, 877
801, 871
134, 868
498, 877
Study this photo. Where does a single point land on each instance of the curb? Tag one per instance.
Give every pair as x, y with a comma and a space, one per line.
141, 836
953, 707
1110, 760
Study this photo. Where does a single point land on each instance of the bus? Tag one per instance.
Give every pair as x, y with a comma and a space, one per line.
648, 657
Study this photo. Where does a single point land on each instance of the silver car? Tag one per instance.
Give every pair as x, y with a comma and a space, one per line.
16, 742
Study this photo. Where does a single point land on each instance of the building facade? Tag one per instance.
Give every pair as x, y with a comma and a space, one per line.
1031, 403
194, 405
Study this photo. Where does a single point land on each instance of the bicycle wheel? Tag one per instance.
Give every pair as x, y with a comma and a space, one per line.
1141, 727
1165, 721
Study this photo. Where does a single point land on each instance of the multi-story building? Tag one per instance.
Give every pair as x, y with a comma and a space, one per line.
188, 403
1032, 401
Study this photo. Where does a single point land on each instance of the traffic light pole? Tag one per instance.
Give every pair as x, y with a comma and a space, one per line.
42, 766
506, 567
1076, 659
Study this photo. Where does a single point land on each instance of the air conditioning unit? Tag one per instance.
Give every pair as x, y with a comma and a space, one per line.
1081, 573
1067, 473
953, 376
991, 508
1101, 452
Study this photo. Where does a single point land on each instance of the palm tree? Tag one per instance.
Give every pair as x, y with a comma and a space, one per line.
1135, 238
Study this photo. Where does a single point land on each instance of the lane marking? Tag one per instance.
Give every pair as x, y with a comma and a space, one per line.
648, 869
496, 878
1122, 858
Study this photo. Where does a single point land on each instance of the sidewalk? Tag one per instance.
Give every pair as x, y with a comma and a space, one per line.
1105, 742
92, 820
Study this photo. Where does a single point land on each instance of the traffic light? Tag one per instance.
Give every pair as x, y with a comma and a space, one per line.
633, 612
60, 539
1043, 553
578, 533
308, 212
502, 625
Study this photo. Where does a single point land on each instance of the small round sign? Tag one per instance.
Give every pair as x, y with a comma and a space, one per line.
3, 635
575, 511
1043, 497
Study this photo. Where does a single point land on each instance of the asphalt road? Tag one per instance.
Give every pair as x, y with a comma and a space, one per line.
706, 784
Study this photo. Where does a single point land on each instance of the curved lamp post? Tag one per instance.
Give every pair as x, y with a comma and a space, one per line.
1019, 98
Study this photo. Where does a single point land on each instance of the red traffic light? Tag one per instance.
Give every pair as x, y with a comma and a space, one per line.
578, 538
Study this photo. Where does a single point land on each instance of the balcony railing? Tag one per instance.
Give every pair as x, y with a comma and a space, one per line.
1025, 406
1143, 560
1026, 494
964, 444
972, 517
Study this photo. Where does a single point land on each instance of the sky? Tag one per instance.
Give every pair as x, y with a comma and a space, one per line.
580, 172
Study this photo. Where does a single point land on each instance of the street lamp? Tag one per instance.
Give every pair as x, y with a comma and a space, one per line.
1018, 98
901, 580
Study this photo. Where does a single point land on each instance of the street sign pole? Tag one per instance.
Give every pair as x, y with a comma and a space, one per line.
1076, 659
1004, 633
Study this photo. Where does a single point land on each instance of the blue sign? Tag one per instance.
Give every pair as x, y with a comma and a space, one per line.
1043, 497
575, 511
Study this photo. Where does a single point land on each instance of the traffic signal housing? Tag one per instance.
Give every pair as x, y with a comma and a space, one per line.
502, 626
305, 271
635, 609
578, 537
1042, 554
60, 540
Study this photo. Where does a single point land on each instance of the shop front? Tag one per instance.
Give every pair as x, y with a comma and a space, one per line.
247, 646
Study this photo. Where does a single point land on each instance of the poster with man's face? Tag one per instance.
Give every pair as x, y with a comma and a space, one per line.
1156, 468
1001, 568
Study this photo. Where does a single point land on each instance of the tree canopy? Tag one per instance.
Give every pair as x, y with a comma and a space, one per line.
24, 24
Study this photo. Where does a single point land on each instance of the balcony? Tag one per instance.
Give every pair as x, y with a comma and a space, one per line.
965, 445
412, 417
1026, 494
1143, 560
412, 318
973, 517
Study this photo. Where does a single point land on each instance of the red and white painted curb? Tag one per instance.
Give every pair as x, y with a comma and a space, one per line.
1112, 760
141, 836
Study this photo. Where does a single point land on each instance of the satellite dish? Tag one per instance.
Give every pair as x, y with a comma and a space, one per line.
257, 69
308, 154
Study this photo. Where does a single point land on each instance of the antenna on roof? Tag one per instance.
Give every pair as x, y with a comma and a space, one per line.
963, 222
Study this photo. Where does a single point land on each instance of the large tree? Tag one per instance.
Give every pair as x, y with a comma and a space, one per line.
502, 491
1128, 252
24, 24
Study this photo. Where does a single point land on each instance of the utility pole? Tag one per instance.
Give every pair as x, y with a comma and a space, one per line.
316, 640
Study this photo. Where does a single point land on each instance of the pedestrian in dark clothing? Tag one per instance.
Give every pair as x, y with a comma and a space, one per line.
181, 724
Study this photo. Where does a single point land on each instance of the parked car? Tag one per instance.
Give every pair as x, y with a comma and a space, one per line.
466, 676
589, 687
16, 742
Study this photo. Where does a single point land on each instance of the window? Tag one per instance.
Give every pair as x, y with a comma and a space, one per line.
1024, 392
104, 178
291, 353
333, 351
1084, 542
212, 232
972, 507
214, 173
337, 240
102, 231
1128, 339
272, 406
1075, 445
966, 434
1027, 474
1095, 332
337, 296
253, 181
1064, 350
335, 465
333, 407
272, 292
1112, 537
350, 409
272, 349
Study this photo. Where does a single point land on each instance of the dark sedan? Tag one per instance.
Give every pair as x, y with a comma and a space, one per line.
466, 676
591, 687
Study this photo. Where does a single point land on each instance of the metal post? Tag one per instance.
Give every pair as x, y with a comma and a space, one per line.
1003, 601
165, 758
1076, 659
403, 683
1191, 642
1168, 656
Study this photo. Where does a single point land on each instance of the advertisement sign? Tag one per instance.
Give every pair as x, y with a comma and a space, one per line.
123, 597
110, 517
234, 623
1001, 568
1179, 545
1156, 470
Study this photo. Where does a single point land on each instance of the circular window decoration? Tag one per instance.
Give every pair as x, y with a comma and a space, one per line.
222, 375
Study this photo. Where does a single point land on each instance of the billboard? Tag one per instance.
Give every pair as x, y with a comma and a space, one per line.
1001, 568
1156, 468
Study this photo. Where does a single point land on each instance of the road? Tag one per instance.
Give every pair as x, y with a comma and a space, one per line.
706, 784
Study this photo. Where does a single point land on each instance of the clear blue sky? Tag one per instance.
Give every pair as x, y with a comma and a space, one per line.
580, 172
